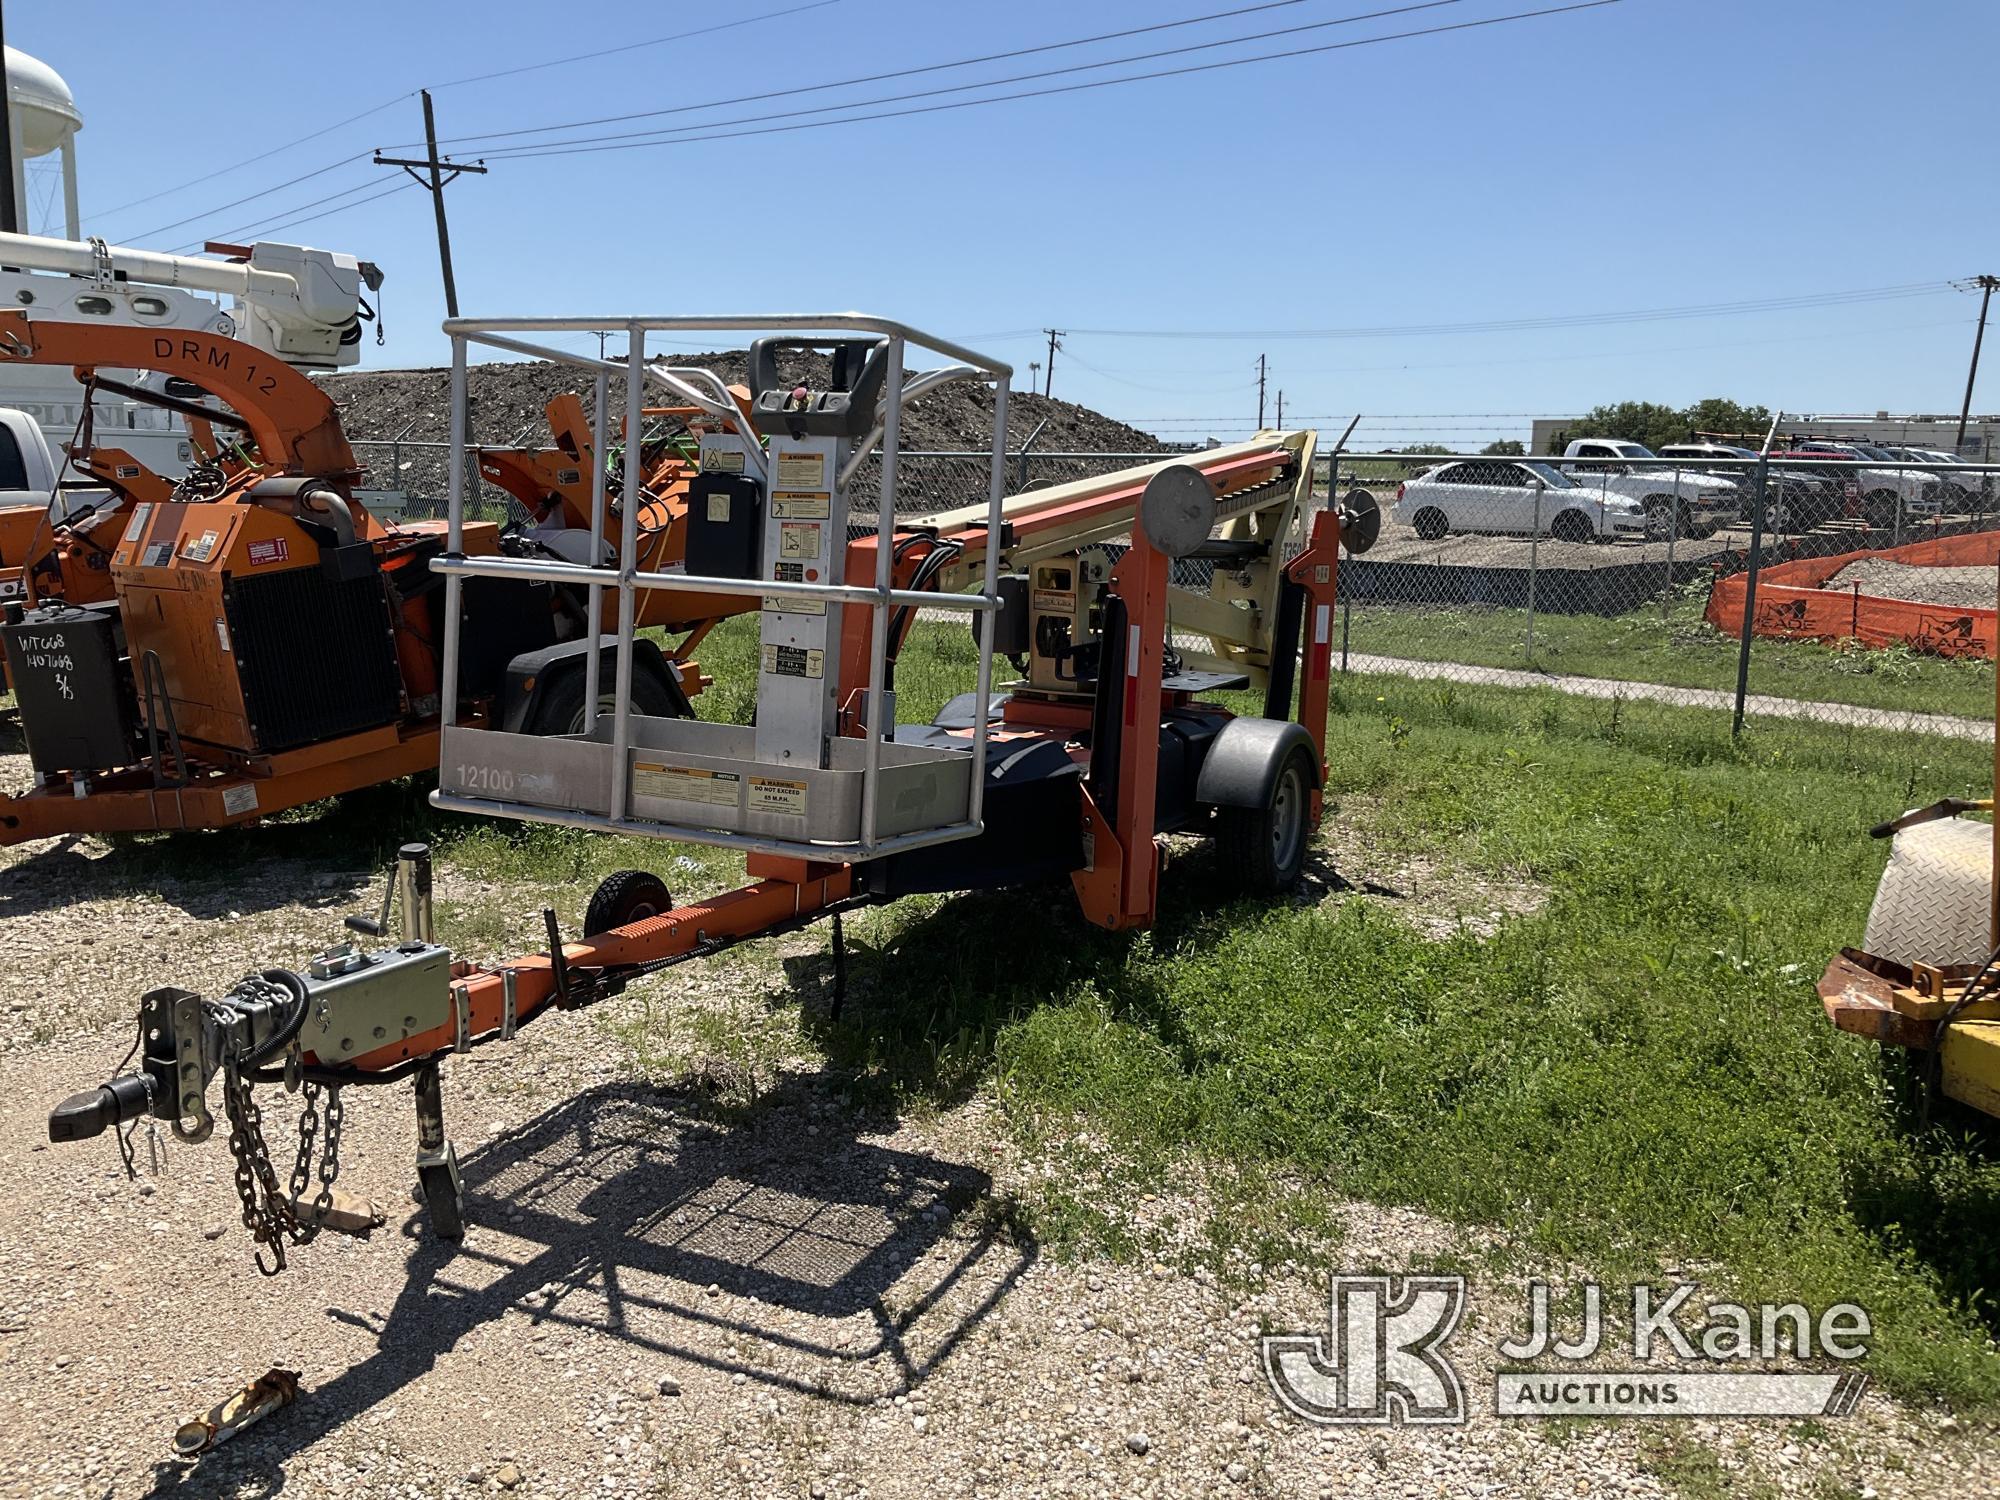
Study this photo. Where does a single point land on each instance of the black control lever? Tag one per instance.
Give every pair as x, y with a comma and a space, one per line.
94, 1111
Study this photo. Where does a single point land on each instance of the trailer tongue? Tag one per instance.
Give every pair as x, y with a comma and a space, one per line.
1076, 770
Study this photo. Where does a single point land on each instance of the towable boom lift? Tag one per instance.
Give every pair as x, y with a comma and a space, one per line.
1074, 771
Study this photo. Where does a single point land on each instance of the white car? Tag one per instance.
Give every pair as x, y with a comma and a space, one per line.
1505, 496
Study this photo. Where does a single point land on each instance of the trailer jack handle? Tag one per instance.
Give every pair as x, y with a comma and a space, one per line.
558, 964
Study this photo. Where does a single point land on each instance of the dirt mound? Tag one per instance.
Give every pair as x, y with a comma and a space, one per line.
1955, 588
507, 404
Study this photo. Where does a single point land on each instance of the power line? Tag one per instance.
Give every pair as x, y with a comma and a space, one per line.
387, 103
248, 161
1564, 320
561, 149
914, 72
329, 213
253, 197
678, 36
258, 225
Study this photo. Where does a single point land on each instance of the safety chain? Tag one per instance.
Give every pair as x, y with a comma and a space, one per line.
268, 1213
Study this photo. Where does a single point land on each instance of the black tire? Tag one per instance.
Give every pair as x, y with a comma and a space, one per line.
1429, 523
1262, 849
624, 897
560, 709
442, 1202
1572, 526
1662, 511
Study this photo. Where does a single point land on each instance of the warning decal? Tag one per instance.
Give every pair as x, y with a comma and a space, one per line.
721, 461
201, 548
718, 506
792, 572
686, 784
768, 794
241, 798
802, 507
799, 539
801, 471
270, 550
794, 661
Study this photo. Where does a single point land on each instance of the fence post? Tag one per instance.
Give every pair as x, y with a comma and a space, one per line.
1534, 563
1750, 592
1673, 530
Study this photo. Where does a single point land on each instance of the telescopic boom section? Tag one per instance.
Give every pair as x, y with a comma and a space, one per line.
292, 421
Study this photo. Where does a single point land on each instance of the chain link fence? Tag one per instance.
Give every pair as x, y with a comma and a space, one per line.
1868, 581
1857, 589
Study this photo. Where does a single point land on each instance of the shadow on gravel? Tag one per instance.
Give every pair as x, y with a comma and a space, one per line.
322, 855
632, 1202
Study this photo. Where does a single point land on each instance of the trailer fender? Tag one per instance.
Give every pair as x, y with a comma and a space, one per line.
1241, 767
534, 675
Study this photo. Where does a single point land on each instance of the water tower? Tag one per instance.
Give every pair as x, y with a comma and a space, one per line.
43, 115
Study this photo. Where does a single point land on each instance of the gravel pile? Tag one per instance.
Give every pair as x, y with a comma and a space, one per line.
1955, 588
507, 404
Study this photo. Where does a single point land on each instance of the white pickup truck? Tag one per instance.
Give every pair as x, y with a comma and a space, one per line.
28, 473
1703, 502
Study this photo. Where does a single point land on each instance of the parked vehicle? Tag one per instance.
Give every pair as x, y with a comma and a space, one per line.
1505, 497
1796, 499
1888, 487
1703, 502
1961, 482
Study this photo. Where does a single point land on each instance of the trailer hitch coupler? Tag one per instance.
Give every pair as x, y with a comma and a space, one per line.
94, 1111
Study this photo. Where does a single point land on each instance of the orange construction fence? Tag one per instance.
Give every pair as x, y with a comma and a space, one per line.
1792, 605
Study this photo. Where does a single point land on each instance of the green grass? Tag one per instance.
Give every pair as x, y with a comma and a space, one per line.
1636, 1075
1678, 648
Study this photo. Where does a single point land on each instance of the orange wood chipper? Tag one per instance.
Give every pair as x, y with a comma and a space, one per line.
1109, 739
260, 640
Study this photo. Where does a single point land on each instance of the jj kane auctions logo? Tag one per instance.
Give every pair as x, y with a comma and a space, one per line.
1383, 1360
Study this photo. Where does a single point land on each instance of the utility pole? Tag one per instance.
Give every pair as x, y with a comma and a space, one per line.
1055, 343
1261, 372
10, 211
435, 167
1281, 411
1985, 286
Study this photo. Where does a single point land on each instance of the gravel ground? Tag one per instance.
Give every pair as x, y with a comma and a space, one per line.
700, 1277
1956, 588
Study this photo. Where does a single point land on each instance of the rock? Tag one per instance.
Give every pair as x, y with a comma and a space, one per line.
669, 1386
507, 1476
215, 1231
920, 1423
1138, 1443
1236, 1473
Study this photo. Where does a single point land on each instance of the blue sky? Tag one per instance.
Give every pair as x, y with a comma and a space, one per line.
1653, 154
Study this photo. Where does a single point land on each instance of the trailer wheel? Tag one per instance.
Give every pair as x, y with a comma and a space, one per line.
625, 897
1262, 849
443, 1198
560, 710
